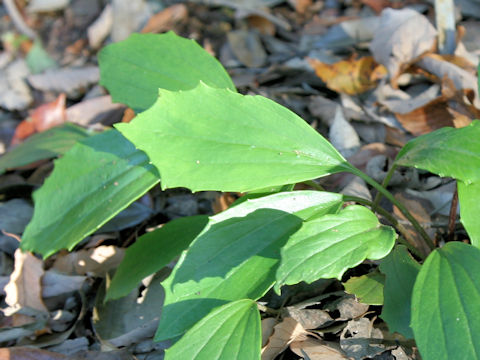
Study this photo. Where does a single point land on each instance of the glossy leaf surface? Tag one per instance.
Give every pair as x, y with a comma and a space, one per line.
326, 247
445, 304
236, 256
90, 184
134, 69
446, 152
230, 332
400, 270
229, 142
42, 146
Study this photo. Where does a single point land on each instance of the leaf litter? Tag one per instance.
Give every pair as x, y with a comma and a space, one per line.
365, 74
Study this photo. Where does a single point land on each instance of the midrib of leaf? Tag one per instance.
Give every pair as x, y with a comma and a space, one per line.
332, 245
101, 186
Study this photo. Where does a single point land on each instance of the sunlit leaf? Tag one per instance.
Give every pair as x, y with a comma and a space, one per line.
134, 69
367, 288
90, 184
326, 247
469, 196
229, 142
230, 332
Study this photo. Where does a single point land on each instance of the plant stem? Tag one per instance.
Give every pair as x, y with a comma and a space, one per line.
385, 182
407, 240
313, 185
395, 202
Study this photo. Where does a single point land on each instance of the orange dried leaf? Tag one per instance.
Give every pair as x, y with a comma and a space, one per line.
166, 19
352, 77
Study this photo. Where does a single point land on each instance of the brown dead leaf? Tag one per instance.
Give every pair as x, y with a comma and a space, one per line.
27, 353
99, 30
166, 19
286, 332
43, 118
100, 109
96, 261
24, 288
432, 116
128, 115
268, 325
352, 77
223, 202
317, 349
404, 36
301, 6
263, 25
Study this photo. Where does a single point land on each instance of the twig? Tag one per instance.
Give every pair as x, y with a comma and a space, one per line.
17, 19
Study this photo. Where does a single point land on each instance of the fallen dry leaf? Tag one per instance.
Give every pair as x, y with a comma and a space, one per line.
432, 116
24, 288
96, 261
263, 25
100, 109
43, 118
99, 30
405, 35
166, 19
72, 81
286, 332
317, 349
300, 6
351, 77
268, 325
27, 353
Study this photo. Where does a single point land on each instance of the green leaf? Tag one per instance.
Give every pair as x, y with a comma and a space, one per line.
401, 271
134, 69
229, 332
469, 196
225, 141
38, 59
42, 146
326, 247
367, 288
153, 251
236, 256
90, 184
445, 304
446, 152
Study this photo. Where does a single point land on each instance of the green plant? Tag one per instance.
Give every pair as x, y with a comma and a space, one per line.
201, 134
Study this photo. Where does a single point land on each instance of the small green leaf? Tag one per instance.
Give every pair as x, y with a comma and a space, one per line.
401, 271
230, 332
367, 288
38, 59
445, 304
225, 141
469, 196
235, 257
153, 251
134, 69
326, 247
42, 146
446, 152
91, 183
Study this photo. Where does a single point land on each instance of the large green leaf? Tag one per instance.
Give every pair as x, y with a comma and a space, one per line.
367, 288
90, 184
326, 247
230, 332
221, 140
236, 256
44, 145
469, 198
445, 304
153, 251
401, 270
446, 152
134, 69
